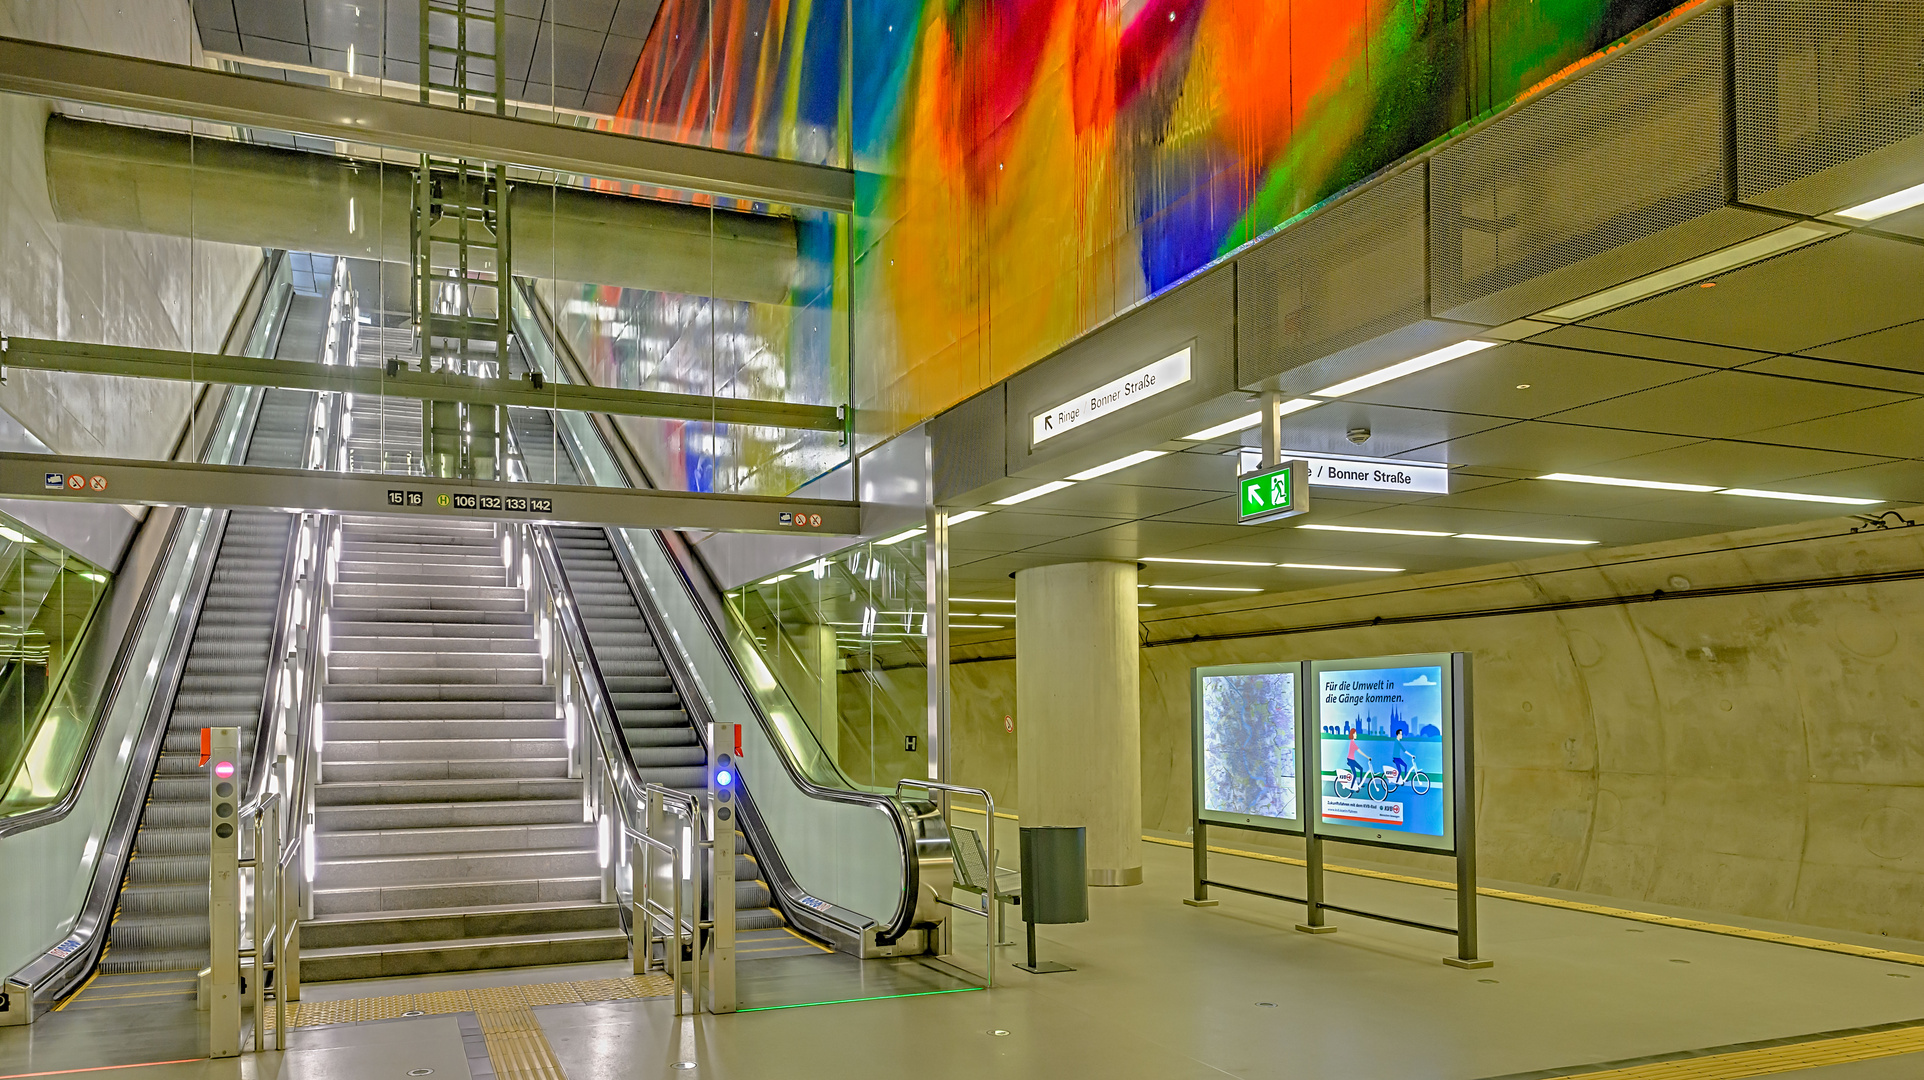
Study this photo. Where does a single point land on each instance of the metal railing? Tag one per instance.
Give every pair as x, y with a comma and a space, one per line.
992, 915
598, 754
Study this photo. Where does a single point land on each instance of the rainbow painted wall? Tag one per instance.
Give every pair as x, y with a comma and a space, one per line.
1027, 169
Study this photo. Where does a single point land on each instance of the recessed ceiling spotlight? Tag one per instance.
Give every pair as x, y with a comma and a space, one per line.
1523, 386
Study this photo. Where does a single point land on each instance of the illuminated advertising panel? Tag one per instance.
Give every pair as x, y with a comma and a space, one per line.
1245, 745
1384, 728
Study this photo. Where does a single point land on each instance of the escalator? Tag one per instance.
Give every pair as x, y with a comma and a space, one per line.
160, 923
655, 722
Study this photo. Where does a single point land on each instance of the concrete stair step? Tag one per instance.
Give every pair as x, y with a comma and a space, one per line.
375, 817
471, 740
329, 793
453, 924
573, 835
362, 772
392, 898
453, 868
464, 954
393, 675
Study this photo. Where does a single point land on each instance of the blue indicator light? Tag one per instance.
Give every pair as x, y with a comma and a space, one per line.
724, 778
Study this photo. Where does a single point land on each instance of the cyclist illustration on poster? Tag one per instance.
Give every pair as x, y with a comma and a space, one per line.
1381, 749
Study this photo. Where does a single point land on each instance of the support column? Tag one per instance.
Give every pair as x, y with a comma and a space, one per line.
1078, 702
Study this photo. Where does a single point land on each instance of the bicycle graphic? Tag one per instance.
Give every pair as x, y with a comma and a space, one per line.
1368, 785
1417, 779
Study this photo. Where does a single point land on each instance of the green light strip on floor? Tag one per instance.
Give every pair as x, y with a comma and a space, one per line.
851, 1001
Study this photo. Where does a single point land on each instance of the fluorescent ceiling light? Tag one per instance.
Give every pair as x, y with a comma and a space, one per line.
778, 577
1523, 539
1886, 206
975, 626
1408, 367
1618, 481
1035, 492
977, 600
1325, 566
966, 515
1243, 423
1117, 465
901, 536
1206, 562
1205, 588
1145, 605
1750, 251
1795, 496
994, 615
1386, 532
15, 535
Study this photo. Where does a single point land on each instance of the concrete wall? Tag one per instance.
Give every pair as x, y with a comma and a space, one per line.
85, 284
1756, 752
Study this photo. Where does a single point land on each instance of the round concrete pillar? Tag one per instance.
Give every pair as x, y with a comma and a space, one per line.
1078, 733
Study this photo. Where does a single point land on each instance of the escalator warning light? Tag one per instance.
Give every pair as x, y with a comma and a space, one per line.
55, 481
515, 502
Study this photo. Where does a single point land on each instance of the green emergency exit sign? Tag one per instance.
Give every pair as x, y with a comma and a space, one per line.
1274, 493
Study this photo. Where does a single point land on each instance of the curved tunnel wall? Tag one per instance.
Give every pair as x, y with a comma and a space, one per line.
1759, 754
169, 183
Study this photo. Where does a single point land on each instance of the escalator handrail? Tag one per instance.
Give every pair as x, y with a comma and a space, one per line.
261, 763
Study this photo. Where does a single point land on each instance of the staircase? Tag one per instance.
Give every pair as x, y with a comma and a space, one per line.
449, 836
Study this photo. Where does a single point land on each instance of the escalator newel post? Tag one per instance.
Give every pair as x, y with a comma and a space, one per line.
222, 748
723, 778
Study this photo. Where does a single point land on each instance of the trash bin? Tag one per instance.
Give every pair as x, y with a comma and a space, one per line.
1055, 883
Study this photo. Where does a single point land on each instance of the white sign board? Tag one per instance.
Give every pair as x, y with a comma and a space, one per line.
1112, 397
1363, 473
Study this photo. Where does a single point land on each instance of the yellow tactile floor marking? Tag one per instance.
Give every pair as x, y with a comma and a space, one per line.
517, 1047
1773, 1060
492, 998
1799, 941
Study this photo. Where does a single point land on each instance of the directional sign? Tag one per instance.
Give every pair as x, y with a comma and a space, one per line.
159, 483
1272, 494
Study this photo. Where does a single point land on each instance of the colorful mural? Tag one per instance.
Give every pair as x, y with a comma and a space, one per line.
1026, 169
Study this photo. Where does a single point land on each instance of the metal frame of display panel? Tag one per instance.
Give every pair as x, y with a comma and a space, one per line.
1459, 810
1450, 709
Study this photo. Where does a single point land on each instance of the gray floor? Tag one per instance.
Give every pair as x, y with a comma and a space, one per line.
1163, 990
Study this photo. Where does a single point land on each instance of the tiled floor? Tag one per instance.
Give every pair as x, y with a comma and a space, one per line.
1160, 990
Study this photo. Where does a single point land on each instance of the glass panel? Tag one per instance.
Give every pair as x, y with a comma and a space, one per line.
47, 598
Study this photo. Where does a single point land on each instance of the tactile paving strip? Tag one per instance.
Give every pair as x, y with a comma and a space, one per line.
486, 999
517, 1046
1770, 1061
1866, 951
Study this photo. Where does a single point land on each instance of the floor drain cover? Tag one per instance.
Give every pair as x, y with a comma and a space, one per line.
682, 1065
420, 1072
414, 1012
1267, 1004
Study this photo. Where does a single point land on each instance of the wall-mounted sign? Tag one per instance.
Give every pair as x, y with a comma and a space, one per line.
1366, 473
1386, 770
1112, 397
1273, 493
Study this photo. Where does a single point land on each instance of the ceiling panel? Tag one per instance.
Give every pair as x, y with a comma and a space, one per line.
1900, 483
1393, 431
1120, 500
1722, 404
1900, 346
1805, 367
1726, 463
1890, 431
1840, 288
1679, 351
1199, 469
1539, 446
588, 14
1017, 528
285, 20
214, 15
1526, 380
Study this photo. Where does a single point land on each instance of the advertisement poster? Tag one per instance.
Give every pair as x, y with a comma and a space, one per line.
1383, 740
1247, 769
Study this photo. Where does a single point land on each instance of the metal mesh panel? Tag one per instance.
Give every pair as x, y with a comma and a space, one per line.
1624, 152
1335, 279
1821, 82
969, 444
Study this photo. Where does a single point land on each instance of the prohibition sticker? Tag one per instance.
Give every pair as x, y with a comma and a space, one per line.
814, 521
76, 481
98, 483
